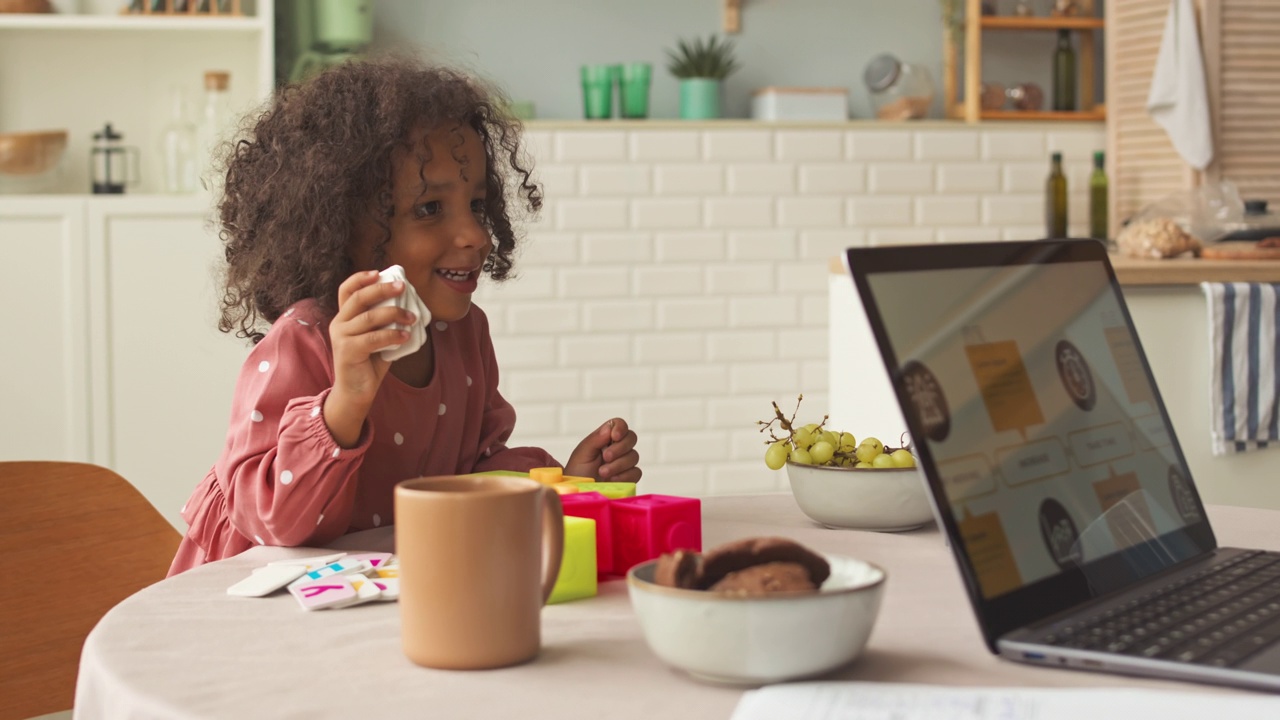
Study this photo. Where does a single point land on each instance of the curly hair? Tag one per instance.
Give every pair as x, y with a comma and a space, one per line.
319, 160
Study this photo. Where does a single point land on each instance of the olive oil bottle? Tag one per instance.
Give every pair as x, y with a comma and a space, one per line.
1055, 200
1098, 224
1064, 74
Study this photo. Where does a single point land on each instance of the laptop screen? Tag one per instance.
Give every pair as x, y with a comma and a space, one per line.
1033, 412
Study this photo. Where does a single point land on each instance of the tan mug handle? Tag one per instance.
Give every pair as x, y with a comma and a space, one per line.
552, 540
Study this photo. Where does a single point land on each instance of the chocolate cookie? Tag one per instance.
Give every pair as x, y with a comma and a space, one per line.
773, 577
678, 569
735, 556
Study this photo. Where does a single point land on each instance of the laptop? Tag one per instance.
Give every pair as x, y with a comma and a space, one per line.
1054, 470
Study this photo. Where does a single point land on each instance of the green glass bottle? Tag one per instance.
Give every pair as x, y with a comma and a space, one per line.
1098, 224
1064, 74
1055, 200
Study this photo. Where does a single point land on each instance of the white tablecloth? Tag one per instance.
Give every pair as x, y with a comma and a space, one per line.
183, 648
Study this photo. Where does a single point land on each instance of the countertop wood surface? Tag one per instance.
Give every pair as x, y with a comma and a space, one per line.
1177, 271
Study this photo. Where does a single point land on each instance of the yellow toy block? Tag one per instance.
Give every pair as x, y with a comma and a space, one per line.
577, 578
576, 479
611, 490
565, 488
547, 475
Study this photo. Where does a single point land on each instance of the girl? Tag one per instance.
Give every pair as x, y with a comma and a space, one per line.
365, 166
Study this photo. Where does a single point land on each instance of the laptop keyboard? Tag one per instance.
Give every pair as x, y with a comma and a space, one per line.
1218, 616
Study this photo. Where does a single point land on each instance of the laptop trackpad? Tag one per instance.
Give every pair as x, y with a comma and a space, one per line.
1267, 661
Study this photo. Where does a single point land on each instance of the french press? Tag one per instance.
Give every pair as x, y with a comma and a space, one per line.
109, 166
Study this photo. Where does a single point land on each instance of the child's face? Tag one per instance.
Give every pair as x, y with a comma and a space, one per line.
437, 231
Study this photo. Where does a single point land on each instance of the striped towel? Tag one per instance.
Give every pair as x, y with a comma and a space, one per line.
1246, 376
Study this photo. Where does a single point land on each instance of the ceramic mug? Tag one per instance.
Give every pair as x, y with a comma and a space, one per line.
479, 556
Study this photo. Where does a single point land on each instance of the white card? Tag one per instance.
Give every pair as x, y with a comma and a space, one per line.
266, 580
366, 591
311, 562
390, 588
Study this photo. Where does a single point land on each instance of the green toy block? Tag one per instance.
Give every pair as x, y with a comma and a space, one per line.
611, 490
577, 578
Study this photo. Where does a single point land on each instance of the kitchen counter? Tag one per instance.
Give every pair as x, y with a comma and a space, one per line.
1192, 271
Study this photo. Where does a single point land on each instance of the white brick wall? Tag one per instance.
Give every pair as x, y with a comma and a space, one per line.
678, 277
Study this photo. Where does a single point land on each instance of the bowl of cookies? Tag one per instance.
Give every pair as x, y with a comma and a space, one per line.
756, 611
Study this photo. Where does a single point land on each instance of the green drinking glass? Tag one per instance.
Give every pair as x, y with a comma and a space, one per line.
597, 91
633, 95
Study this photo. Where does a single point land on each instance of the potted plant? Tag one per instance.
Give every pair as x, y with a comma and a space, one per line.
701, 66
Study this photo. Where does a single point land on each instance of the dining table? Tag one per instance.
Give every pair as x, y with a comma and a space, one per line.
184, 648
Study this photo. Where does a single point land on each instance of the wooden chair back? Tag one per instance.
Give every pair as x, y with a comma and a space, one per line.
83, 539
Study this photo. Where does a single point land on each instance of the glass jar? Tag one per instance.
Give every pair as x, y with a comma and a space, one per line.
1026, 96
899, 91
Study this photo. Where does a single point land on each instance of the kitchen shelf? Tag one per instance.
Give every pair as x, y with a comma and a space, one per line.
1097, 114
976, 23
148, 23
999, 22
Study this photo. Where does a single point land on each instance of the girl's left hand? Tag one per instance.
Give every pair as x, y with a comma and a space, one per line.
608, 454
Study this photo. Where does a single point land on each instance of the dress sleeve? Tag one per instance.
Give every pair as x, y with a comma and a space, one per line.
499, 421
285, 479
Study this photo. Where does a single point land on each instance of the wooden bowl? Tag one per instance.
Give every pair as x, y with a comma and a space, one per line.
25, 6
31, 153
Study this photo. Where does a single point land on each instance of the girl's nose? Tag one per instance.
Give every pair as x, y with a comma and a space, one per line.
471, 233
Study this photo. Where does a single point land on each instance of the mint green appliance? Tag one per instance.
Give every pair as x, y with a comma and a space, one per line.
325, 33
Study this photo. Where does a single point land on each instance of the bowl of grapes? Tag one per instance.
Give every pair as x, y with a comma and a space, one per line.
842, 481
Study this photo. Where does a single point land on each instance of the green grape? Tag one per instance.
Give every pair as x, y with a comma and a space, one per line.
801, 456
903, 458
882, 461
831, 438
804, 437
776, 456
847, 443
868, 449
821, 452
864, 465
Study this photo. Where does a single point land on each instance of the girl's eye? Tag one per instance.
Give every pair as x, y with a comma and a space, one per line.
427, 209
477, 207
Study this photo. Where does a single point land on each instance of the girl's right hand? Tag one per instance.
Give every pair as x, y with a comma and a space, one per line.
359, 332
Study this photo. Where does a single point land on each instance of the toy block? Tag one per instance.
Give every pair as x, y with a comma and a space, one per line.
576, 479
565, 488
646, 526
577, 578
612, 490
595, 506
547, 475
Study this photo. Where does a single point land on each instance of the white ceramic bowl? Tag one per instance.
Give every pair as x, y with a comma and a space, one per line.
756, 640
888, 499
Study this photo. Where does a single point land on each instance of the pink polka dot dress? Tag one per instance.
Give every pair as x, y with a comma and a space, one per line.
281, 478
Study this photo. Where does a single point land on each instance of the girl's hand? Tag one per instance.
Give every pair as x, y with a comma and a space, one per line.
358, 332
607, 454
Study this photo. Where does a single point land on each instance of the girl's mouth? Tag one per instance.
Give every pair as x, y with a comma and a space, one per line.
463, 281
456, 275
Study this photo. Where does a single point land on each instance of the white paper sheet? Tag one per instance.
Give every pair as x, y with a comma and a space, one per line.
895, 701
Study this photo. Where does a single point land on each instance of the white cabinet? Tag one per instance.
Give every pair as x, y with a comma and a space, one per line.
113, 354
44, 396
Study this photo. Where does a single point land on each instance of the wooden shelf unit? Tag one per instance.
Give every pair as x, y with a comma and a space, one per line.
971, 110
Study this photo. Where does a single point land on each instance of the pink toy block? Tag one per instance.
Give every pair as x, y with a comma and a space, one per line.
645, 526
594, 506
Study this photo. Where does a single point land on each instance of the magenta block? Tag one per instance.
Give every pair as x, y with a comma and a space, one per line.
595, 506
646, 526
